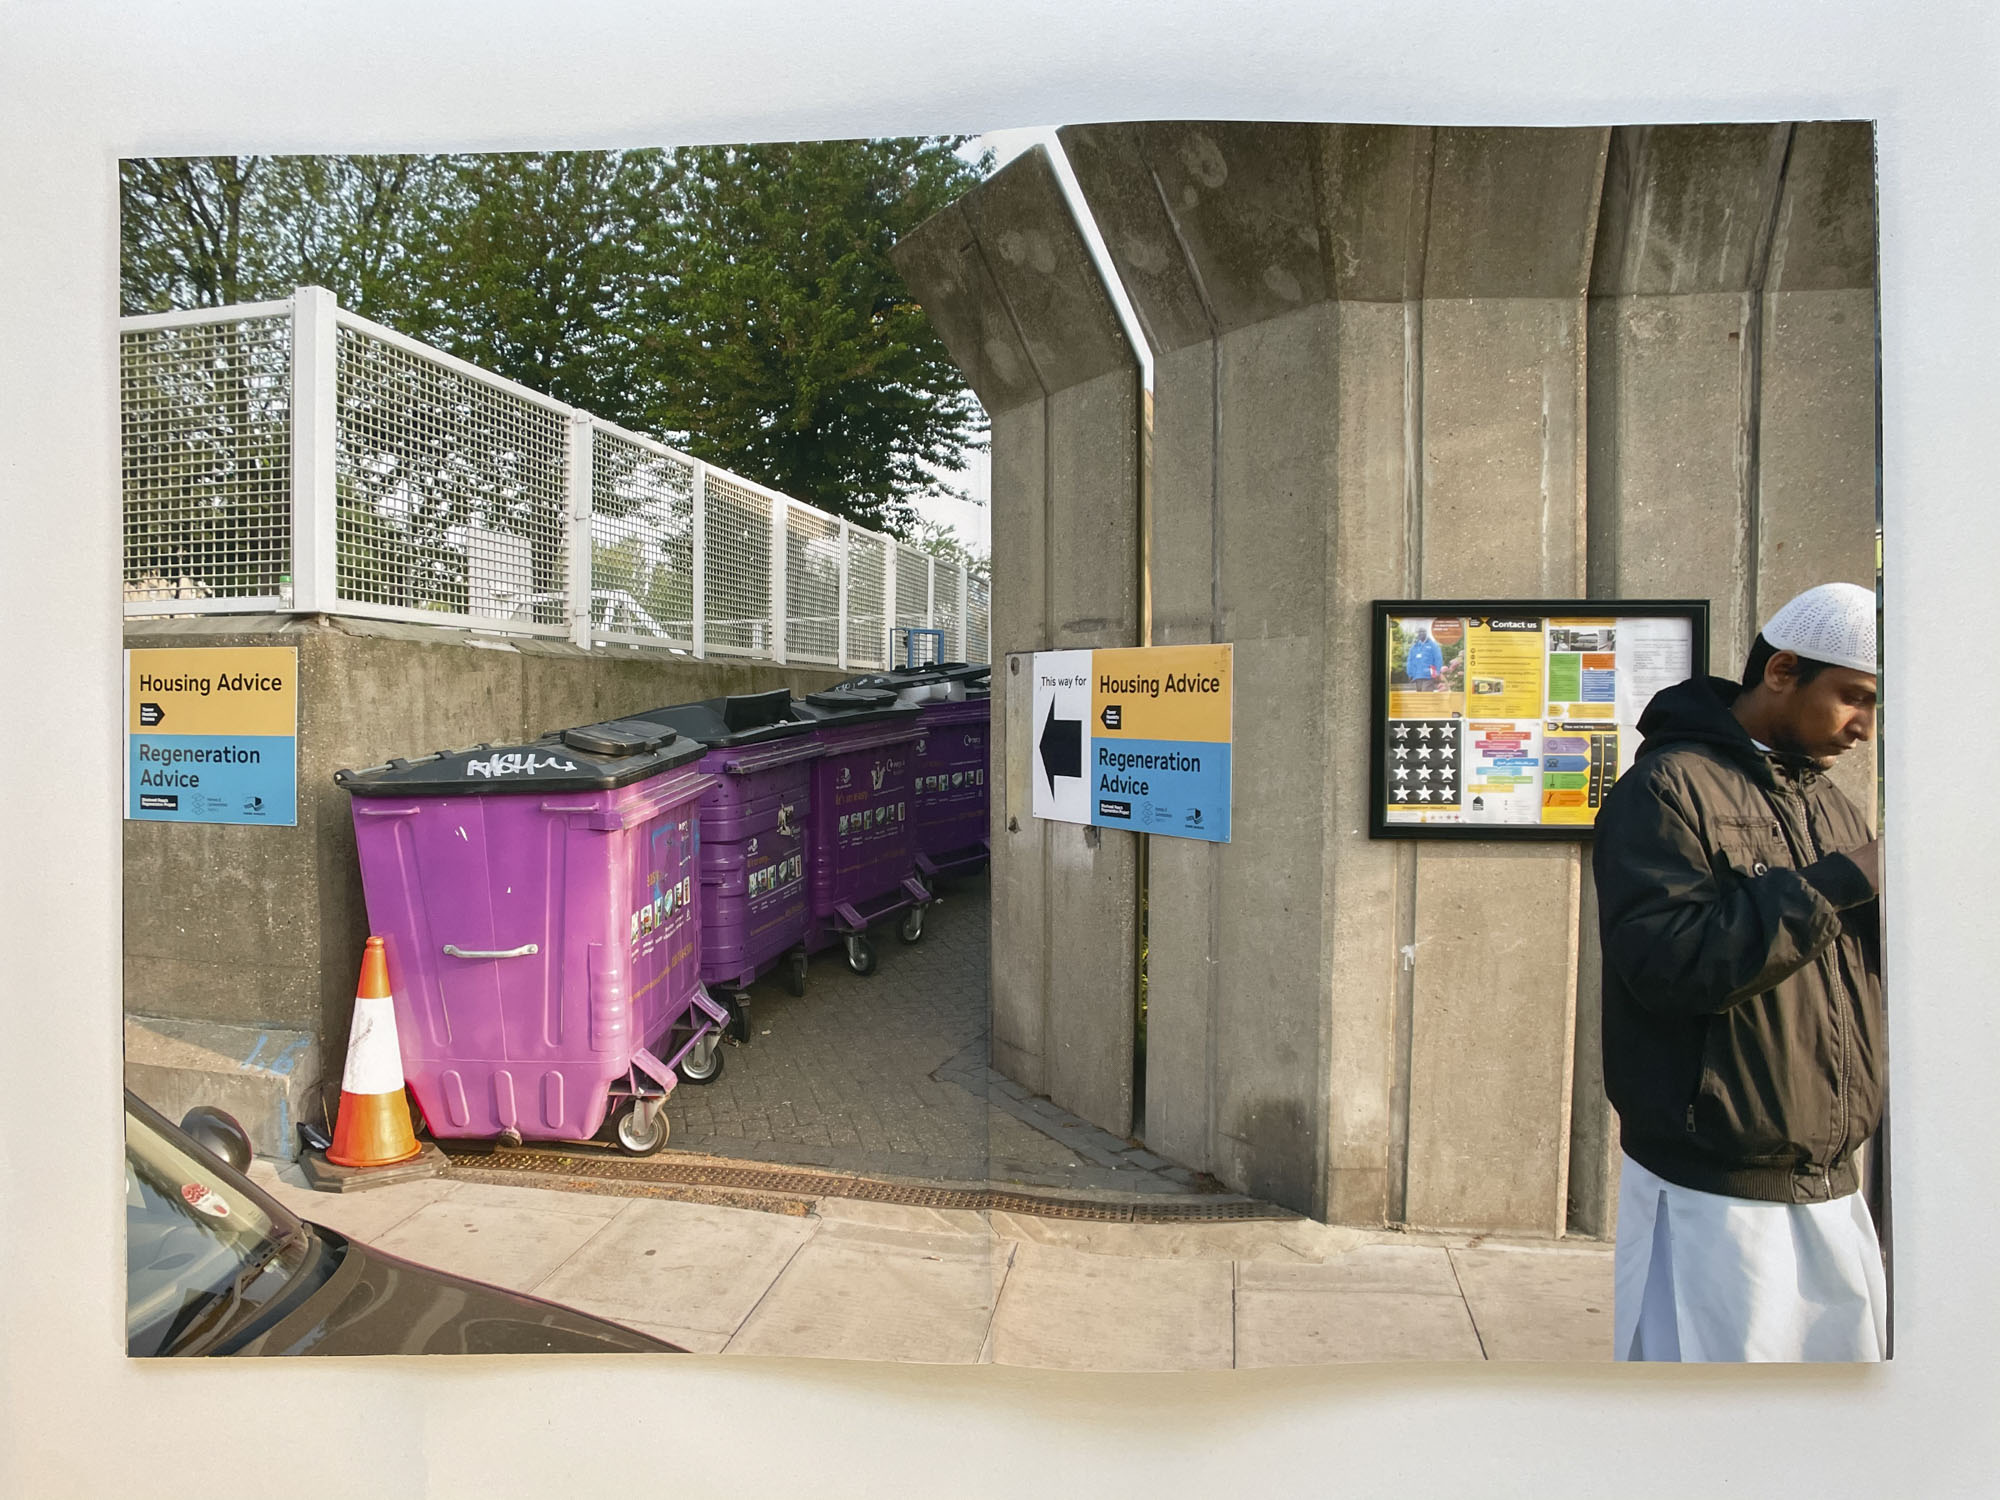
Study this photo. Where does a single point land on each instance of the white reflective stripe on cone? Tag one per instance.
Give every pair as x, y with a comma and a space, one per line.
374, 1062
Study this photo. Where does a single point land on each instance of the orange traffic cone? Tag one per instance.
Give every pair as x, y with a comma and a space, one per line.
373, 1126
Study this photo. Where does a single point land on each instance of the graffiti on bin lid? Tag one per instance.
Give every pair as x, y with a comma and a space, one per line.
516, 763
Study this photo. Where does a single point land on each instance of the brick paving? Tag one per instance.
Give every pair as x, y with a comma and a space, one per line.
886, 1075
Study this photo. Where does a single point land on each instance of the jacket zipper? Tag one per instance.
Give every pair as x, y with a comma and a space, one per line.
1840, 1100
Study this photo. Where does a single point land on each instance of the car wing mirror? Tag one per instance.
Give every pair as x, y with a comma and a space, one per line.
219, 1132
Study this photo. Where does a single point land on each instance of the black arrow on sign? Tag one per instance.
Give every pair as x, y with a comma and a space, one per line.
1062, 747
1113, 715
151, 714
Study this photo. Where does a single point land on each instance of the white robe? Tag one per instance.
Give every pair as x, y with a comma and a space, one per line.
1700, 1276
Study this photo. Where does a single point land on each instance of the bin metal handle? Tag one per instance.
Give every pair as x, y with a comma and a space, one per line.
521, 952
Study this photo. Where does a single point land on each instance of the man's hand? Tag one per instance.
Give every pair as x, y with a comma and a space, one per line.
1868, 860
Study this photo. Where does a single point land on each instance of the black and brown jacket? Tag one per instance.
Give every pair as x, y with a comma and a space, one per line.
1743, 1026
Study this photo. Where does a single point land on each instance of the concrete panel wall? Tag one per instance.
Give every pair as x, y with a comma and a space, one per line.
1019, 840
1732, 422
1394, 361
1184, 966
1091, 900
1271, 952
1374, 557
1494, 930
1010, 288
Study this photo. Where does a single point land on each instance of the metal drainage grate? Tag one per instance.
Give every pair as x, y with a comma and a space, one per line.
1195, 1208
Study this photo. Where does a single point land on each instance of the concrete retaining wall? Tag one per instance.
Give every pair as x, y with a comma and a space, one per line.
234, 934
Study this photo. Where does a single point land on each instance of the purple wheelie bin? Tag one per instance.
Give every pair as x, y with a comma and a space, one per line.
538, 907
951, 831
754, 906
861, 863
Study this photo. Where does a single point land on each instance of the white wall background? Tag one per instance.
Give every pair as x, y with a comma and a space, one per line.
81, 84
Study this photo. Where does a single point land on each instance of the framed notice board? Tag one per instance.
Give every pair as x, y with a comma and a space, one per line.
1510, 718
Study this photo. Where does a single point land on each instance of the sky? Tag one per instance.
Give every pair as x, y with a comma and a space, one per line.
973, 520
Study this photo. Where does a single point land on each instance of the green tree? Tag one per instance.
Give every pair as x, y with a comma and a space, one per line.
214, 230
537, 270
738, 301
940, 540
780, 340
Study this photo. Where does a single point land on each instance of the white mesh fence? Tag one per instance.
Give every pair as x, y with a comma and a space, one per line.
978, 619
867, 594
207, 456
738, 584
913, 599
947, 609
450, 490
425, 488
641, 540
812, 586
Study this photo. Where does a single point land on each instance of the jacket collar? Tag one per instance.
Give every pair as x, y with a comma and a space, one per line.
1698, 712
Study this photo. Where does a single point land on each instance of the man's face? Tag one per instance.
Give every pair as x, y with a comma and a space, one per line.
1826, 717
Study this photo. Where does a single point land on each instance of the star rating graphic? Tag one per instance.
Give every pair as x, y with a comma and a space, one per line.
1437, 781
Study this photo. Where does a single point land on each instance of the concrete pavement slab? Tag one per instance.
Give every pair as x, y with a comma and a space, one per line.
1542, 1303
696, 1266
1072, 1310
507, 1195
1380, 1302
858, 1291
1301, 1327
1423, 1270
904, 1217
1281, 1239
511, 1244
362, 1216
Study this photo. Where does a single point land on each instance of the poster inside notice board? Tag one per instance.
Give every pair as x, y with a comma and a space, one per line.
1510, 719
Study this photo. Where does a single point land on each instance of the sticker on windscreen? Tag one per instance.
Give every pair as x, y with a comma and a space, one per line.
204, 1199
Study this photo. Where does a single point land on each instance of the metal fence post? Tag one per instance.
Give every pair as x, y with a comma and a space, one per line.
891, 550
846, 542
315, 520
930, 594
964, 620
780, 605
580, 478
698, 561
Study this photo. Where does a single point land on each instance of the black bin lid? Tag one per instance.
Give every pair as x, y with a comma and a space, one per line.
745, 719
891, 681
845, 705
591, 758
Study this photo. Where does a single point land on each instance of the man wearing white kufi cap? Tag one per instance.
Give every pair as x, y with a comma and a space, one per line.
1743, 1031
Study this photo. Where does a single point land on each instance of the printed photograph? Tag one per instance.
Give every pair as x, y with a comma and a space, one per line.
628, 846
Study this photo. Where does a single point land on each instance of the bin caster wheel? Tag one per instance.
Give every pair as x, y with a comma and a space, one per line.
641, 1127
860, 953
795, 976
703, 1063
738, 1006
913, 925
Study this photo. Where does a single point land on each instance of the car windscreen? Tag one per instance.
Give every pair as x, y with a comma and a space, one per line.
202, 1255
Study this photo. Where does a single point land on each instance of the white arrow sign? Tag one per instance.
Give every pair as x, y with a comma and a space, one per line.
1060, 735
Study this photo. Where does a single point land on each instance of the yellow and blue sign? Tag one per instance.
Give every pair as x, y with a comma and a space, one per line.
212, 735
1136, 738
